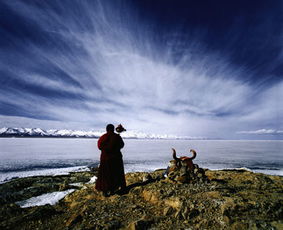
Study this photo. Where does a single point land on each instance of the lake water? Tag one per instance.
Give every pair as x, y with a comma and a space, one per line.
21, 157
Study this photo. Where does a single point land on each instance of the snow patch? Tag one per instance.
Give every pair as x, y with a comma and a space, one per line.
76, 184
47, 198
92, 180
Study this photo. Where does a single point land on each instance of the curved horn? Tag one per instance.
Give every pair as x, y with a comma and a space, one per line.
194, 154
174, 155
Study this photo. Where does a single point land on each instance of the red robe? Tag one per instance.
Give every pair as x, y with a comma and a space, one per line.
111, 174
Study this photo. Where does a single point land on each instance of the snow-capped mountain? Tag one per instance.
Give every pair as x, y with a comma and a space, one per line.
22, 132
38, 132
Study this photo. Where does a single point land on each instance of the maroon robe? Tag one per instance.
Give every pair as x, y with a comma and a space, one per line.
111, 174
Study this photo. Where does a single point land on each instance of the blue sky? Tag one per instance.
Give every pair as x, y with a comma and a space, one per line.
195, 68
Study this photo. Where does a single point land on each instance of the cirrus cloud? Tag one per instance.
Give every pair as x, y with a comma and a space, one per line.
86, 64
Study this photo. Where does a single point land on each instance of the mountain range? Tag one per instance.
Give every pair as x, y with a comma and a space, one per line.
38, 132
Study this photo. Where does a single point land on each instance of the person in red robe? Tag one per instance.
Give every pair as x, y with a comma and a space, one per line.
111, 174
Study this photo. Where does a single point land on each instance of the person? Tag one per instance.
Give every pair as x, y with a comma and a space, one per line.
111, 174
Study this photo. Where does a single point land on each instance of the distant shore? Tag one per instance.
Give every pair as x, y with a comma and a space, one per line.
7, 136
96, 137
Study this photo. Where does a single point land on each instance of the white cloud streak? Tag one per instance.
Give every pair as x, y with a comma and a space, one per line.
262, 131
127, 81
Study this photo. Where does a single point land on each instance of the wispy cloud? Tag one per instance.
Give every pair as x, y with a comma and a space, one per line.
88, 65
263, 131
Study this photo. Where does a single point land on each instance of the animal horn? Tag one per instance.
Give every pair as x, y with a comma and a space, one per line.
174, 155
194, 154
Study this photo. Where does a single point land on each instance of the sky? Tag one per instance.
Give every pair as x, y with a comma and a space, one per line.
190, 68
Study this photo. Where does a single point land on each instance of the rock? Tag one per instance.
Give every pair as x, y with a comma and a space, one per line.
228, 207
183, 174
178, 215
139, 225
181, 179
239, 225
193, 213
150, 196
63, 186
226, 220
168, 211
174, 202
147, 178
75, 218
227, 202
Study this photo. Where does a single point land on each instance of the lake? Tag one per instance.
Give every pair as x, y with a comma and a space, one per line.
21, 157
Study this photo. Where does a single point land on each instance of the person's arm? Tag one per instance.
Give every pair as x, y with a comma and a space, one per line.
102, 142
99, 143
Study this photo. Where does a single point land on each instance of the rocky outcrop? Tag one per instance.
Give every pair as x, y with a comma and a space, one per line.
225, 200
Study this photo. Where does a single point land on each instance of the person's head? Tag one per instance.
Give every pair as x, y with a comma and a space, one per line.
110, 128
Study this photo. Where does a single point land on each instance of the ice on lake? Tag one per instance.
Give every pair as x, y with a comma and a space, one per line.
21, 157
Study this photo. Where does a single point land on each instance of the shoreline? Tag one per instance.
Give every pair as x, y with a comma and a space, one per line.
84, 168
